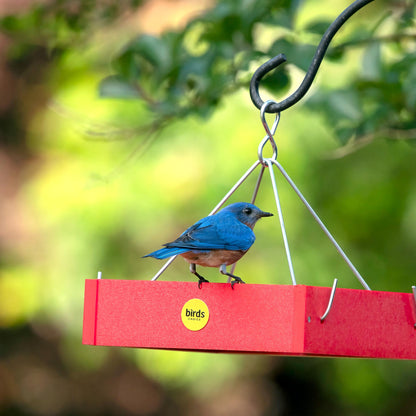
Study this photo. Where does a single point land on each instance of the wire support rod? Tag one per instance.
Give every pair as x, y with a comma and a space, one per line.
235, 187
331, 300
282, 223
164, 267
218, 206
322, 225
256, 188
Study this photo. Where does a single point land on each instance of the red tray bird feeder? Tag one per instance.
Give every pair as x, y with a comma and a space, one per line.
251, 318
255, 318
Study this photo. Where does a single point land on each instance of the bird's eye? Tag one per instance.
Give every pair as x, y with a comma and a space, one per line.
247, 211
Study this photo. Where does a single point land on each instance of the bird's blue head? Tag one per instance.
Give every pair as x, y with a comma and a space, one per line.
246, 213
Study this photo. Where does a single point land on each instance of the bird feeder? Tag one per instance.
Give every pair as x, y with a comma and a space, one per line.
251, 318
292, 319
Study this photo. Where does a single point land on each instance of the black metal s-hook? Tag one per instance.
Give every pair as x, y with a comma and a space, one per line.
313, 68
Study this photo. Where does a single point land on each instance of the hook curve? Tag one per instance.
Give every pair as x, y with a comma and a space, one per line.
313, 68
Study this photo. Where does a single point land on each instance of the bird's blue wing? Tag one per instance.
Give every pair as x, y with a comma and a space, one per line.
217, 232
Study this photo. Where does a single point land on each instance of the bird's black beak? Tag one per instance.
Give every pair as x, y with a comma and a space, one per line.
265, 214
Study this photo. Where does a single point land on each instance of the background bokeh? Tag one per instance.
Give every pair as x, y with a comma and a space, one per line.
91, 183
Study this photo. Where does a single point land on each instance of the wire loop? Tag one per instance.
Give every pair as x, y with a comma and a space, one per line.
269, 133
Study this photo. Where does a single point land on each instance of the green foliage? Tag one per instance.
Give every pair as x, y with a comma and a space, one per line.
190, 71
380, 100
57, 24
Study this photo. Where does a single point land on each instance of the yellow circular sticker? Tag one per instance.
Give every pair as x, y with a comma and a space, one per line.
195, 314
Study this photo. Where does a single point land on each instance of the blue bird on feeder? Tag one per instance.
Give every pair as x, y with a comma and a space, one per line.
217, 240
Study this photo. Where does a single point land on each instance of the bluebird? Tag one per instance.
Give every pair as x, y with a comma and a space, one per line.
217, 240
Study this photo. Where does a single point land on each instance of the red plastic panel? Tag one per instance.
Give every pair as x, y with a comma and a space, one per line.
271, 319
361, 323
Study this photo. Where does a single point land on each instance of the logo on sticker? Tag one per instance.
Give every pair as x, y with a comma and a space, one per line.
195, 314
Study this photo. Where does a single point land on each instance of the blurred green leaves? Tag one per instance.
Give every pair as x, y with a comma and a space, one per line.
58, 24
187, 72
177, 77
115, 86
380, 102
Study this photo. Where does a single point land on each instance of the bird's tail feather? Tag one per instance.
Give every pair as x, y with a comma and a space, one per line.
166, 252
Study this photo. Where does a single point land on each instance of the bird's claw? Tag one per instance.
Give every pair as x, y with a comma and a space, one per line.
236, 280
202, 280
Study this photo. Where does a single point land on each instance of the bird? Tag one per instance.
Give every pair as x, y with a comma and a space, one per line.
217, 240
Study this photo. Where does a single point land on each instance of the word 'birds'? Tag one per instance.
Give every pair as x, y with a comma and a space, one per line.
217, 240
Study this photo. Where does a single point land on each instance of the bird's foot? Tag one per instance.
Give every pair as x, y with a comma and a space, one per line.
201, 280
236, 280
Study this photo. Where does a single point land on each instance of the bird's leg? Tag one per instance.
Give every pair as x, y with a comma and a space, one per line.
223, 270
192, 268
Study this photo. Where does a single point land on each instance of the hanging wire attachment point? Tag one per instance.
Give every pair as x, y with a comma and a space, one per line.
269, 133
331, 300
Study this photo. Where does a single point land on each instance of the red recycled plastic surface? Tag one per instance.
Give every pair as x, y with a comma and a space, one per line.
251, 318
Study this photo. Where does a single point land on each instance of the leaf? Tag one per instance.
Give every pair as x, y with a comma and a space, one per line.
344, 134
277, 81
283, 13
116, 87
153, 49
126, 66
371, 65
318, 27
409, 86
345, 104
